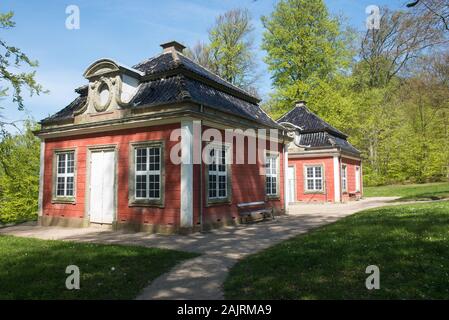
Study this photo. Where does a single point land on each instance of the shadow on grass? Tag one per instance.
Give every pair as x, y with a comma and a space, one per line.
426, 196
410, 245
35, 269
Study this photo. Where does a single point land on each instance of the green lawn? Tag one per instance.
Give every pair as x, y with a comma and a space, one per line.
35, 269
429, 191
409, 244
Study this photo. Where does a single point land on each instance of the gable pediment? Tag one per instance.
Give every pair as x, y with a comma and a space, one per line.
101, 68
111, 87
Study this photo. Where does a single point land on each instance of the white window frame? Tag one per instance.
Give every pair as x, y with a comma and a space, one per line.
217, 149
357, 179
271, 162
65, 175
314, 177
344, 178
147, 173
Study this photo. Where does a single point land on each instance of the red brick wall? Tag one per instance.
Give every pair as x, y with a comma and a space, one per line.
248, 185
351, 165
328, 165
151, 215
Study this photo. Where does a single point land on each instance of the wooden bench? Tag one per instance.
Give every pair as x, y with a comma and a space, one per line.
353, 196
254, 211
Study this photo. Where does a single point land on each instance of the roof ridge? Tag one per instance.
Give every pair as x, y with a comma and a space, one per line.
148, 60
210, 71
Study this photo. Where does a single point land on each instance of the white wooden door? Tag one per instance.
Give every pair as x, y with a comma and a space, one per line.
291, 184
357, 179
102, 172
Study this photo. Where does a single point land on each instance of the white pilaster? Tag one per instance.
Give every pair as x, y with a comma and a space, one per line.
41, 178
186, 173
337, 191
286, 191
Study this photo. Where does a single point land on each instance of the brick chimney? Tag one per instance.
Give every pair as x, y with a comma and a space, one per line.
300, 103
172, 46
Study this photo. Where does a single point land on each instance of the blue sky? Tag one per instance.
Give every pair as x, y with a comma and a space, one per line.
127, 31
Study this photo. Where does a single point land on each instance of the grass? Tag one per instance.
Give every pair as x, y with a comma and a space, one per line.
35, 269
417, 192
409, 244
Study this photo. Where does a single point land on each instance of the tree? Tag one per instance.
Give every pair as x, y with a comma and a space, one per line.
302, 42
306, 48
200, 53
401, 38
439, 8
19, 175
229, 52
12, 58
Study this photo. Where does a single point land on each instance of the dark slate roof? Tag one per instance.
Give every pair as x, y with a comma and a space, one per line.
314, 132
309, 122
323, 139
67, 112
179, 88
167, 62
164, 87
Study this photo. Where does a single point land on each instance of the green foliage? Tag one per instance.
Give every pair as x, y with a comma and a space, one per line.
229, 52
304, 46
19, 176
12, 58
408, 243
396, 112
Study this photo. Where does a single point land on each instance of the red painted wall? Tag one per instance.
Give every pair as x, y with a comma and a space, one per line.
328, 165
351, 165
168, 215
248, 185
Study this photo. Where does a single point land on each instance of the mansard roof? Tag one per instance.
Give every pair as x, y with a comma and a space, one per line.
170, 78
312, 132
302, 117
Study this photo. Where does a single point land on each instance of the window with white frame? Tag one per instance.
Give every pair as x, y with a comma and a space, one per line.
314, 178
147, 172
217, 173
271, 174
344, 178
65, 174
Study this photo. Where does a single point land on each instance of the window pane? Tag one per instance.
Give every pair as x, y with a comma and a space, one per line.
222, 186
70, 162
154, 185
141, 159
212, 160
318, 184
221, 160
141, 186
273, 185
309, 172
273, 166
318, 172
310, 184
60, 186
268, 185
69, 189
61, 163
212, 186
